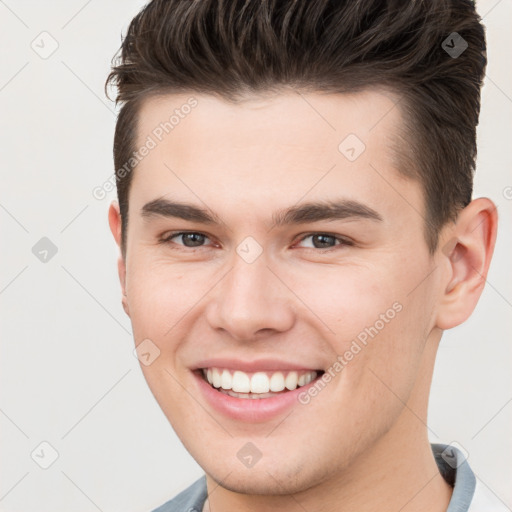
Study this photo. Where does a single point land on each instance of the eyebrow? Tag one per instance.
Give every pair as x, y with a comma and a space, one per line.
343, 209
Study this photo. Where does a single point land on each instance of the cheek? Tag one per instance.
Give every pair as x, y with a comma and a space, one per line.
160, 294
344, 300
373, 323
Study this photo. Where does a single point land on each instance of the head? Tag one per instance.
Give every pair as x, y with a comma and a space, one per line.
322, 152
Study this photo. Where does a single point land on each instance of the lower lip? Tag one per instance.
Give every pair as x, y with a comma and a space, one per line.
248, 409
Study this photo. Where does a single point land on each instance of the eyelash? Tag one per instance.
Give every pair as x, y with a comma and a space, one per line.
343, 240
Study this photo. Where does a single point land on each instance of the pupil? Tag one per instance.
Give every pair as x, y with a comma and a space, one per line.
195, 238
324, 239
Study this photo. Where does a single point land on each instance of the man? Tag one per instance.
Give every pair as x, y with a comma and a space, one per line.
296, 231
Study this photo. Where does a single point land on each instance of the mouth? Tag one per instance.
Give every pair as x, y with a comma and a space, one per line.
256, 385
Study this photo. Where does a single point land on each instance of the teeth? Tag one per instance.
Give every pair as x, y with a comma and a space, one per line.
261, 383
291, 381
216, 379
305, 379
277, 382
241, 382
247, 395
226, 380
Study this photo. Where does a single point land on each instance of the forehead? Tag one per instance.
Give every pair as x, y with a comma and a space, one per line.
275, 147
289, 118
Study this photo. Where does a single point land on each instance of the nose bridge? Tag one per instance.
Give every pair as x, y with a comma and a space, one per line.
250, 299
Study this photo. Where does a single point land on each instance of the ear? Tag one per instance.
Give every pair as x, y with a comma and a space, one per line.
466, 258
114, 220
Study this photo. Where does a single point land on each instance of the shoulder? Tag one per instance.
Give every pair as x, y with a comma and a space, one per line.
190, 500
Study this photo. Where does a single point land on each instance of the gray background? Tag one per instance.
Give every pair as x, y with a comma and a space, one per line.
68, 373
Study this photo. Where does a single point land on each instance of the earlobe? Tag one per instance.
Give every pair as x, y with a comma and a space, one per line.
114, 220
467, 256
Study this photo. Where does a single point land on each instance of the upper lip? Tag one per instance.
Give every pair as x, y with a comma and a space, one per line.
252, 366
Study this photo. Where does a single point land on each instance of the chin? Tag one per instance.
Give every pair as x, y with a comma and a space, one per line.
268, 480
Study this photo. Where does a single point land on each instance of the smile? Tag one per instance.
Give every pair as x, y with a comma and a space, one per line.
262, 384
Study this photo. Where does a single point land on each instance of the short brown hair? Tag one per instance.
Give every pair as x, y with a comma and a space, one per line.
231, 48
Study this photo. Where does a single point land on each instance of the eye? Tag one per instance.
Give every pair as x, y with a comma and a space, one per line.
189, 239
193, 239
324, 241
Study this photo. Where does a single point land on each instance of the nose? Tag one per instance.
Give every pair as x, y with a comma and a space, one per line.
250, 302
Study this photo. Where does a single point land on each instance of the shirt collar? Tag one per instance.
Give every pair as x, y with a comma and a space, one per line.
455, 469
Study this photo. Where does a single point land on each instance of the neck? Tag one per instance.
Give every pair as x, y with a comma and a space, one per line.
405, 478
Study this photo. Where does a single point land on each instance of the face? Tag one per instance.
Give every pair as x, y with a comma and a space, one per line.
267, 246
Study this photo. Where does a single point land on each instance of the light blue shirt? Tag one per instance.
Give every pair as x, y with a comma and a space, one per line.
469, 495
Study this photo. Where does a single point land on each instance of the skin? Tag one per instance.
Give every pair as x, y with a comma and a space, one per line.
298, 301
